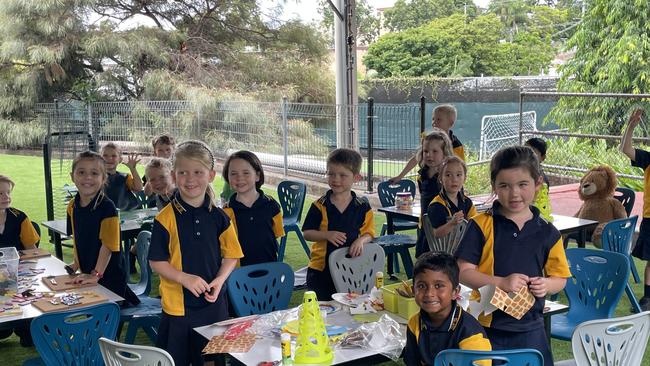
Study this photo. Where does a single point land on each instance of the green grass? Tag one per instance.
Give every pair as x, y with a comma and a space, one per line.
29, 196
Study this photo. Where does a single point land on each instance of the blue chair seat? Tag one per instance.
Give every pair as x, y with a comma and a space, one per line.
260, 288
398, 244
387, 193
563, 326
513, 357
292, 199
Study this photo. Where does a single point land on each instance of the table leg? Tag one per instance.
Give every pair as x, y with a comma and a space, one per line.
390, 230
390, 224
547, 328
582, 239
58, 248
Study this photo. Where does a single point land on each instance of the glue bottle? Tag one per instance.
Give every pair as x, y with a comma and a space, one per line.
376, 296
379, 280
285, 341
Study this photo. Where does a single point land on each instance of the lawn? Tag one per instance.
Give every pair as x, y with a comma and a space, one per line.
29, 196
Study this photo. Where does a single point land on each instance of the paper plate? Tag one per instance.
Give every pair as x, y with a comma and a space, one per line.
236, 320
345, 299
329, 308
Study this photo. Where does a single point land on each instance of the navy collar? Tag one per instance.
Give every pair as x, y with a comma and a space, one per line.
181, 206
448, 325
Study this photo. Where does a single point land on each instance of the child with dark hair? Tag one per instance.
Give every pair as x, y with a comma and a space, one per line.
542, 200
441, 323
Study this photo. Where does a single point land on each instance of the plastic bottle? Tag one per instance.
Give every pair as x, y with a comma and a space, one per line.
379, 280
285, 341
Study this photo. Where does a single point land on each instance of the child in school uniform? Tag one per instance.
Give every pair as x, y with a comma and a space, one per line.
451, 206
120, 187
640, 158
441, 323
159, 175
16, 229
257, 216
194, 248
337, 219
163, 148
542, 199
93, 223
510, 246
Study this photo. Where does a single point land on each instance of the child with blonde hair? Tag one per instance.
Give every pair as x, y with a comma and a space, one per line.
16, 229
159, 176
121, 187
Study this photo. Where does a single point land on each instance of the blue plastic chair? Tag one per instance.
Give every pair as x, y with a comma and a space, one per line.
627, 198
143, 287
617, 237
514, 357
291, 195
595, 288
260, 288
70, 337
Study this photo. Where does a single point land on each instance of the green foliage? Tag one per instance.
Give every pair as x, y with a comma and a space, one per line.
14, 135
366, 21
406, 14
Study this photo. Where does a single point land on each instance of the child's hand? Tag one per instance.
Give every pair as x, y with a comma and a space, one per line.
215, 288
635, 117
457, 218
336, 237
356, 249
513, 282
195, 284
132, 160
537, 286
394, 180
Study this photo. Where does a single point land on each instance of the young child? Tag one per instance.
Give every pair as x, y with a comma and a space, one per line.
640, 158
16, 229
542, 200
511, 246
337, 219
444, 117
258, 217
121, 186
451, 206
435, 148
93, 223
194, 248
441, 323
163, 147
159, 175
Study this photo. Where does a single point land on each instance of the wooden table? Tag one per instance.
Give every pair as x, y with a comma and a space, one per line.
568, 225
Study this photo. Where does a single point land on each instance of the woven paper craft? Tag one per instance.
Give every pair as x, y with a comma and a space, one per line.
219, 344
515, 305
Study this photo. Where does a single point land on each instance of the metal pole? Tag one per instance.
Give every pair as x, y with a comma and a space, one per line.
285, 135
371, 115
423, 110
521, 117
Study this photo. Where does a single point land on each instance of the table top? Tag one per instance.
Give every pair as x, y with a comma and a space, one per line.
415, 210
129, 220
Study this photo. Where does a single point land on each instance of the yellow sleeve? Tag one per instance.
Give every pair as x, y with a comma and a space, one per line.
231, 215
129, 181
472, 212
28, 235
230, 247
556, 265
109, 233
368, 226
460, 152
477, 342
278, 226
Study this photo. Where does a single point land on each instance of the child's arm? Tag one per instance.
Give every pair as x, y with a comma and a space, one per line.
335, 237
132, 162
626, 141
103, 258
227, 266
147, 189
195, 284
445, 229
470, 276
541, 286
356, 249
409, 166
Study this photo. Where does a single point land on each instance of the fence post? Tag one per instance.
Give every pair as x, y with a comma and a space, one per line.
285, 134
423, 111
521, 117
371, 115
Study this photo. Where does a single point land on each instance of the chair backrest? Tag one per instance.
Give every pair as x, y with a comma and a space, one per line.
598, 281
142, 246
448, 243
618, 341
627, 197
291, 195
121, 354
260, 288
38, 231
513, 357
617, 235
70, 337
387, 191
356, 274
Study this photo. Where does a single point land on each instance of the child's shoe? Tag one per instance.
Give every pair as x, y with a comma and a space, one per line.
644, 303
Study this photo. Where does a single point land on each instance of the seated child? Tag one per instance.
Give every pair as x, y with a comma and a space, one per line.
159, 175
441, 323
16, 229
120, 187
163, 147
542, 200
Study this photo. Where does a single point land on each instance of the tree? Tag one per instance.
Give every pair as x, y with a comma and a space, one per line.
612, 49
366, 21
406, 14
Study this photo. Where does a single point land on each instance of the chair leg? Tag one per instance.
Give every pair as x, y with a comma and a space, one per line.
283, 244
396, 263
407, 261
630, 295
303, 242
148, 323
635, 274
383, 229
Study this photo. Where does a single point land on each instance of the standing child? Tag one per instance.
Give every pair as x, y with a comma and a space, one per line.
159, 175
337, 219
93, 223
640, 158
120, 187
441, 323
510, 246
542, 200
16, 229
163, 148
451, 206
194, 248
257, 217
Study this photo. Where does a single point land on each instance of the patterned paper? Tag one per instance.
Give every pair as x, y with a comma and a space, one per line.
515, 304
219, 344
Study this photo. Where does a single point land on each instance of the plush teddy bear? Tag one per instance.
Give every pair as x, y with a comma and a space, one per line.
596, 191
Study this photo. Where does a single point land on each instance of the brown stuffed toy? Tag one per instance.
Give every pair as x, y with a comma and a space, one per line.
596, 191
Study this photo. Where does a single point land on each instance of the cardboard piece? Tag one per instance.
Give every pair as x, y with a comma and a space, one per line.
219, 344
88, 298
515, 304
27, 254
67, 282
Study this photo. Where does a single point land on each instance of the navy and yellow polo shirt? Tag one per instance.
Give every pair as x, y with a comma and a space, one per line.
459, 331
119, 187
429, 187
162, 200
456, 146
19, 231
193, 240
92, 226
642, 160
357, 220
496, 245
257, 228
441, 208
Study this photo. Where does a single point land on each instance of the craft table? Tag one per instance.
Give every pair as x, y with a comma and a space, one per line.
568, 225
413, 214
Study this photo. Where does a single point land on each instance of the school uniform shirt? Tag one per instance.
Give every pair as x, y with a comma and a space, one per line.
18, 230
642, 160
429, 187
162, 200
459, 331
119, 188
441, 208
257, 228
193, 240
497, 247
457, 146
355, 221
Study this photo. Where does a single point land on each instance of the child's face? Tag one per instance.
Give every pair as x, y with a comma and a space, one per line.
453, 178
160, 179
112, 158
442, 120
515, 188
192, 179
432, 153
5, 195
88, 176
434, 293
340, 178
242, 176
163, 151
